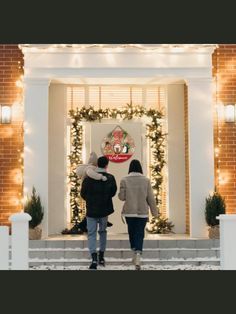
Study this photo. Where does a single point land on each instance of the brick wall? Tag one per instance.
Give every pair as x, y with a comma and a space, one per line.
224, 71
11, 135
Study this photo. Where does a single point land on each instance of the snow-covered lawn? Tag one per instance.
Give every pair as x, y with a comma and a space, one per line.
130, 267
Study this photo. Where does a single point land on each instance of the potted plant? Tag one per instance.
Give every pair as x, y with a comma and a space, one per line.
35, 209
215, 206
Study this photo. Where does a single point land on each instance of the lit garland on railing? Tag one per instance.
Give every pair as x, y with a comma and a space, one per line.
154, 134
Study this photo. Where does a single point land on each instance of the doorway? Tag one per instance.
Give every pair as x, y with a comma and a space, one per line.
94, 135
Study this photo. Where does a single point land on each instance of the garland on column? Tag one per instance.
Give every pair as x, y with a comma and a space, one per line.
129, 112
154, 133
75, 159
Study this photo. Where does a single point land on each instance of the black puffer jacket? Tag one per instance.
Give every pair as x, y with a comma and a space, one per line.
98, 195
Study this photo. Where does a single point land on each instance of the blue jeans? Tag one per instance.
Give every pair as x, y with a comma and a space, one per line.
92, 224
136, 227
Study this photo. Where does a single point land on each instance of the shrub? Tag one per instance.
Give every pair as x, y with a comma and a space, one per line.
215, 205
34, 208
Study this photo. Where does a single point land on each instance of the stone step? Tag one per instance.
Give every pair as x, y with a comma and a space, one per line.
186, 243
156, 252
115, 261
163, 253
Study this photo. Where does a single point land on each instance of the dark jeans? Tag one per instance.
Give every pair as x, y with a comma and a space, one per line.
136, 227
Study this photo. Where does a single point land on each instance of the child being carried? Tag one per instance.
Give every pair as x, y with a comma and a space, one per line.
89, 169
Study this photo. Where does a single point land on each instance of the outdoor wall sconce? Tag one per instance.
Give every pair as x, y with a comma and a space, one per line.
5, 114
229, 113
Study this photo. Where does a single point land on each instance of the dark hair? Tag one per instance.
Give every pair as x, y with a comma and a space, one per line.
135, 166
103, 162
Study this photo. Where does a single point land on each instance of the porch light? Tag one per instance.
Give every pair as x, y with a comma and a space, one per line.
5, 114
229, 113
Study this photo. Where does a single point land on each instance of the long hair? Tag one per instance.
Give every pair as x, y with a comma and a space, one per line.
135, 166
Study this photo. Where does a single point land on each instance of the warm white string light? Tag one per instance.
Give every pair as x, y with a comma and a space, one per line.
219, 179
119, 46
20, 85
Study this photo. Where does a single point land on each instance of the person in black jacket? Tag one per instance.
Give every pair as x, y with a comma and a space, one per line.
98, 196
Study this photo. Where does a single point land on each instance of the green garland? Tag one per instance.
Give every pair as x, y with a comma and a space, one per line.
154, 133
75, 159
160, 225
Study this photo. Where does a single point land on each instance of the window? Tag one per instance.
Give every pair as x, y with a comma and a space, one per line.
112, 96
75, 97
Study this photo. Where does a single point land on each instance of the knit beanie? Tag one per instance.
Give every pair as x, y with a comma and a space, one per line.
93, 159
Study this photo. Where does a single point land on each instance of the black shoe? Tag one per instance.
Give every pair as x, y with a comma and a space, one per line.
109, 224
93, 265
101, 260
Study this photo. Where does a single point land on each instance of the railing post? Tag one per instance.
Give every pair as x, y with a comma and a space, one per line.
4, 248
20, 241
227, 241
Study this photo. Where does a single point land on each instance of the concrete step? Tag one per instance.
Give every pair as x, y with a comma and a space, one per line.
162, 253
156, 252
115, 261
199, 243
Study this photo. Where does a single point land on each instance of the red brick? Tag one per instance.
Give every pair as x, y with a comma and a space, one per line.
9, 74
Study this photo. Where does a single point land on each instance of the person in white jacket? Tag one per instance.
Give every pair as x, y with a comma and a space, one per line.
136, 191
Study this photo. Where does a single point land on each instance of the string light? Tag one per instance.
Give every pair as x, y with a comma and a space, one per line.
20, 151
218, 181
19, 83
148, 48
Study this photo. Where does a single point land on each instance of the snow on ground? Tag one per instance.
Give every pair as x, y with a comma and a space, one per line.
130, 267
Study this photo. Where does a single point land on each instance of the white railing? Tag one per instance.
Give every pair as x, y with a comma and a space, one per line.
4, 248
19, 243
227, 241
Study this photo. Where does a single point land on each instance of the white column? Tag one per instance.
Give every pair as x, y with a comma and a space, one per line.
57, 163
36, 142
176, 160
20, 241
4, 248
227, 242
201, 151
